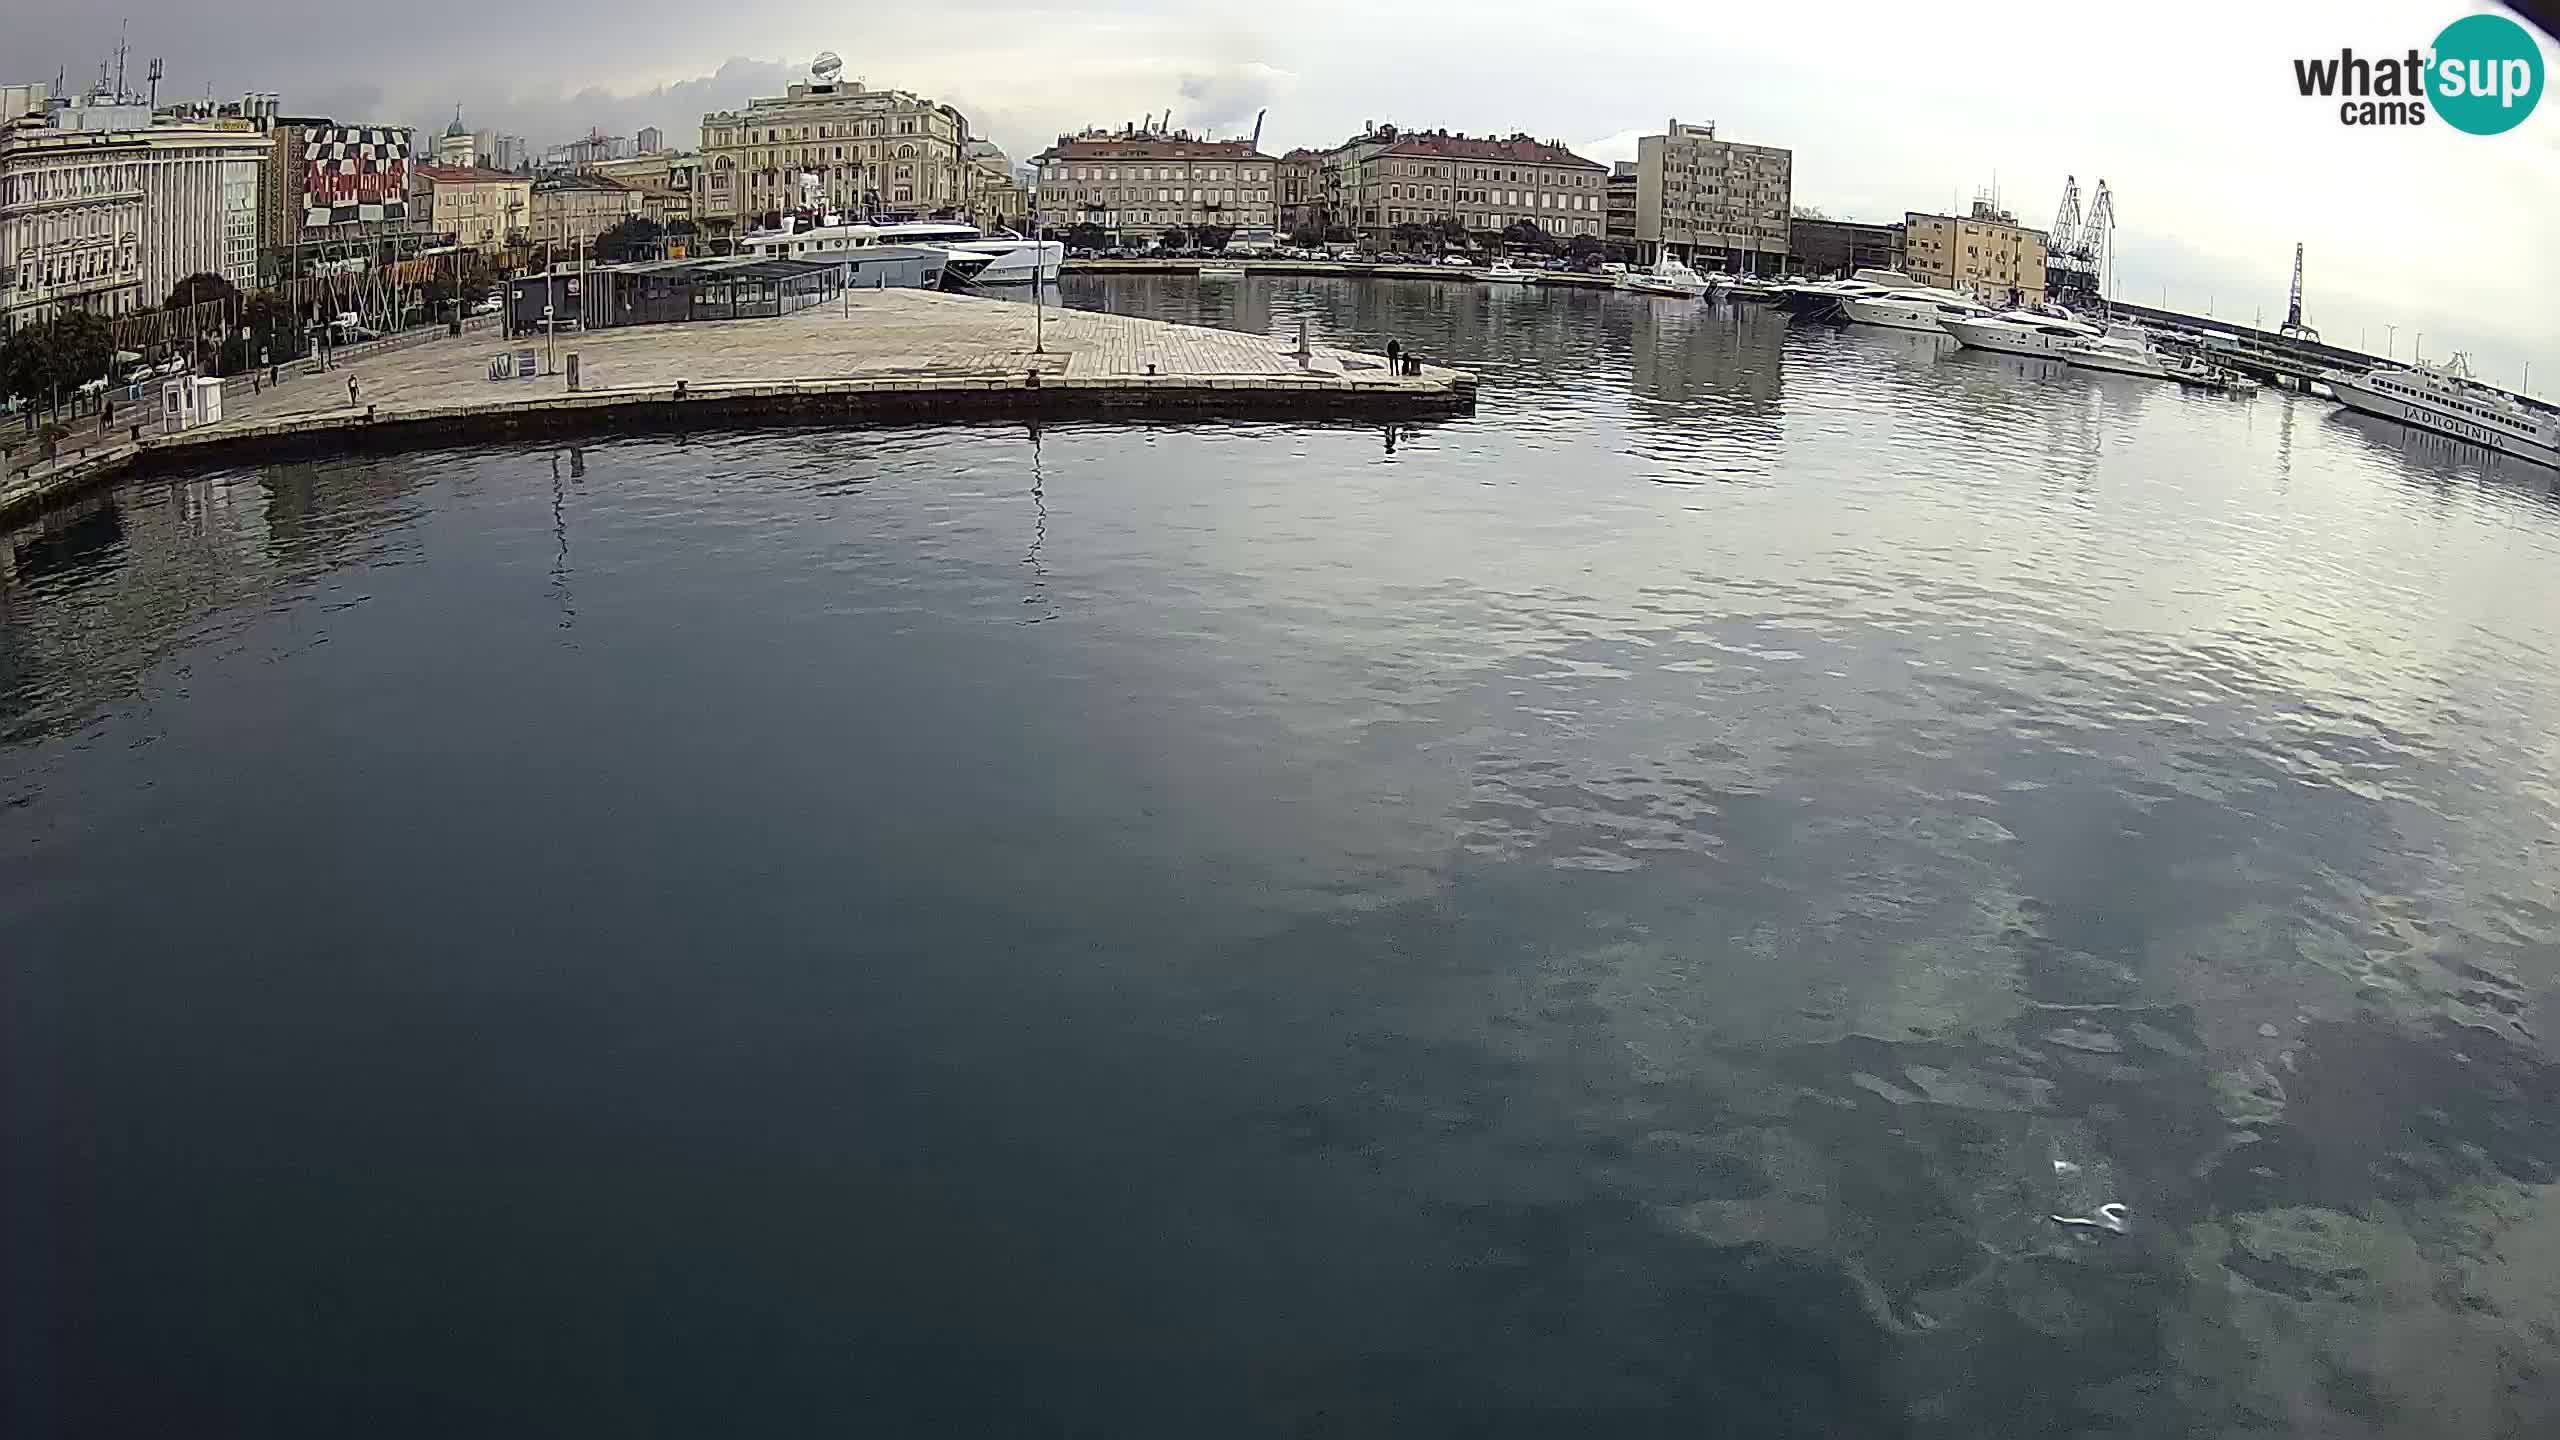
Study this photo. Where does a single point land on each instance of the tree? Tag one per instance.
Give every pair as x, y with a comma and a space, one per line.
1213, 237
1526, 236
1810, 212
1307, 237
1086, 235
1585, 247
200, 287
1175, 237
634, 237
1410, 236
1449, 230
26, 366
83, 348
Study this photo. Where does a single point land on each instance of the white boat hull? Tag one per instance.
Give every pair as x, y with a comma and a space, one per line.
1509, 277
2118, 364
1014, 262
1647, 285
1891, 317
2008, 341
2356, 396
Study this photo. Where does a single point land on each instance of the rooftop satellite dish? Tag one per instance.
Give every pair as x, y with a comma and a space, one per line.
826, 67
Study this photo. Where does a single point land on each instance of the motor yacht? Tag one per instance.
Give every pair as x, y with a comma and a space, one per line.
1000, 259
1667, 276
1923, 310
2022, 332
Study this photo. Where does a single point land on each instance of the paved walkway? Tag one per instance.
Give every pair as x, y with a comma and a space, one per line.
880, 333
911, 354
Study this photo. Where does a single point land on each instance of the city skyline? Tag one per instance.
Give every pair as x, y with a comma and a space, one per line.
2211, 197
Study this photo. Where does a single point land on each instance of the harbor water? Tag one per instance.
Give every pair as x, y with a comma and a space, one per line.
1641, 910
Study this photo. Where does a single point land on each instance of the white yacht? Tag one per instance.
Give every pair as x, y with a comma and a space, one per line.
2023, 332
1665, 277
1924, 310
2447, 400
1009, 259
2123, 350
1823, 297
1503, 272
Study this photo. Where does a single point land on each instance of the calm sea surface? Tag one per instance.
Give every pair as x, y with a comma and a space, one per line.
1628, 913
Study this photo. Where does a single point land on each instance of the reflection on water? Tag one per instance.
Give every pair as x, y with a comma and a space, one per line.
1631, 910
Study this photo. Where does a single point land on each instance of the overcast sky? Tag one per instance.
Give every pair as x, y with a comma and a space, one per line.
2187, 109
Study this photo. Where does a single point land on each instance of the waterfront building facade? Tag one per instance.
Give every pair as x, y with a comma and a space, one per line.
1837, 247
570, 211
109, 220
1716, 204
1386, 177
1141, 183
862, 152
1985, 253
480, 208
1619, 229
1299, 194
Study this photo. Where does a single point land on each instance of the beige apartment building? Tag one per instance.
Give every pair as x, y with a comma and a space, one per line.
1387, 177
1987, 253
1131, 182
479, 208
666, 181
1299, 176
862, 152
570, 211
1716, 204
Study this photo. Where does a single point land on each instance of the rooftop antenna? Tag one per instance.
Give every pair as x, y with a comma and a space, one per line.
121, 27
153, 75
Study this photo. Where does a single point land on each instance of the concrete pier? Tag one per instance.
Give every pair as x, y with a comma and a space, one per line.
889, 356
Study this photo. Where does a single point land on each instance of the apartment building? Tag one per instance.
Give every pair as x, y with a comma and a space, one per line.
1134, 182
1987, 253
480, 208
1387, 177
570, 211
1620, 229
862, 152
1299, 196
666, 179
1716, 204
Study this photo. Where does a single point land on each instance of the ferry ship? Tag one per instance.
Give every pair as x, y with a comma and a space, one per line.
2447, 400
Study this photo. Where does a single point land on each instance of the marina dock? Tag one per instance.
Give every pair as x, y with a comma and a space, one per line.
888, 356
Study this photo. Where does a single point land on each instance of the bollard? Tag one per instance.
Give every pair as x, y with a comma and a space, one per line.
679, 389
573, 369
368, 414
1032, 378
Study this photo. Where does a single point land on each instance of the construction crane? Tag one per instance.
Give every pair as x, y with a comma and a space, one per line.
2294, 327
2076, 252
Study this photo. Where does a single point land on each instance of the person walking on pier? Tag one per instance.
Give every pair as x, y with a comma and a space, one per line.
351, 389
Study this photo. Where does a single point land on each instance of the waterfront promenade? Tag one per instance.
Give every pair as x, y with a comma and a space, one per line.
890, 355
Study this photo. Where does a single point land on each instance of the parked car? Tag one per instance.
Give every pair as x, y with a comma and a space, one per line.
489, 305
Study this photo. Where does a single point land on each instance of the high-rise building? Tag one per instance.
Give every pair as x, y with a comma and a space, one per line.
1714, 203
650, 140
1986, 252
1137, 182
859, 150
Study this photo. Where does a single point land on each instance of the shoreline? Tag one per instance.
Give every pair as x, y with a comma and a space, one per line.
915, 358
